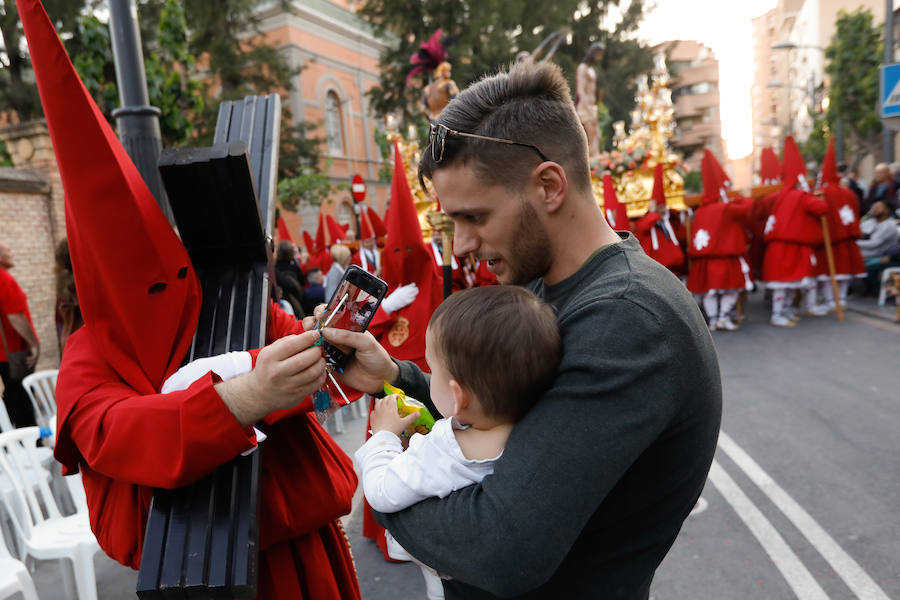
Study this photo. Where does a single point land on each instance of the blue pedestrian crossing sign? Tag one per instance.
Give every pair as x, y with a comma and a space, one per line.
890, 91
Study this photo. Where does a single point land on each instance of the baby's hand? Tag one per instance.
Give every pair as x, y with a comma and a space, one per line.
385, 417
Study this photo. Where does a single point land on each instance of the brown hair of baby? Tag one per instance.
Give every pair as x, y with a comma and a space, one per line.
501, 343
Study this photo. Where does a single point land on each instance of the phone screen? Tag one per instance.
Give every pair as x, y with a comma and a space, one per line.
352, 307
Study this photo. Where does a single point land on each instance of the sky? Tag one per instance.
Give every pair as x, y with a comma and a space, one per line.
723, 26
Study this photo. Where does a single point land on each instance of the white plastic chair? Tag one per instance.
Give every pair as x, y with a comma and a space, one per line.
885, 277
52, 536
41, 390
7, 491
14, 576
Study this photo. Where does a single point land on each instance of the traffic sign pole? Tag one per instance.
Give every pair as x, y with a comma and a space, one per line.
358, 190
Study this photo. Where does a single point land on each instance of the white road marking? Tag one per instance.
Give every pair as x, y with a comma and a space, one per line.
797, 576
853, 575
702, 504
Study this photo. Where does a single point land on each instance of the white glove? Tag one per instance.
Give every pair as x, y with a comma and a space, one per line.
227, 366
402, 297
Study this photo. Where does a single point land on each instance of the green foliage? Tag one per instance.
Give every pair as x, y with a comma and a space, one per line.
854, 56
170, 83
489, 33
693, 182
815, 146
308, 186
385, 148
243, 64
91, 52
18, 91
5, 158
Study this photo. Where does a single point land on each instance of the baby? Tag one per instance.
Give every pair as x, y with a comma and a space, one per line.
492, 351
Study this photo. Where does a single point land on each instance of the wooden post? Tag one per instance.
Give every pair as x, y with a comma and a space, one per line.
439, 221
447, 251
687, 251
830, 256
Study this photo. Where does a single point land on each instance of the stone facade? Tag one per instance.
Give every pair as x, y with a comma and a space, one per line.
337, 52
32, 222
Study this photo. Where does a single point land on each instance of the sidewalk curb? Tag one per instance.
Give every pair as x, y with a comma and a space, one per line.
875, 314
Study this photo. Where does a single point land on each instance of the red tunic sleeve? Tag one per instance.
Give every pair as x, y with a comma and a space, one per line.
140, 438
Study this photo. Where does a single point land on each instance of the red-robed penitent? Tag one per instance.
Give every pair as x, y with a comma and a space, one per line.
657, 233
140, 299
792, 230
843, 224
718, 241
616, 212
405, 260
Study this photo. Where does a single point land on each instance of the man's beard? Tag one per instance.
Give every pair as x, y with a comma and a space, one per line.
531, 255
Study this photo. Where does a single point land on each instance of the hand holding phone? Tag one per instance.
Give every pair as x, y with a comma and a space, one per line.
351, 308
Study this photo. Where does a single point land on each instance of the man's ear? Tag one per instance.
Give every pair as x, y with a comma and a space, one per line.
551, 179
461, 397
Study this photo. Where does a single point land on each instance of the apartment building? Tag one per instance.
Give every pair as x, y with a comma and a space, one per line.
695, 99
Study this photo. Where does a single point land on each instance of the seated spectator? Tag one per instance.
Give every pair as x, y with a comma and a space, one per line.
884, 235
876, 267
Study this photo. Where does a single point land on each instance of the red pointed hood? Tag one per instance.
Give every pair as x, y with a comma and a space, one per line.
309, 243
792, 167
659, 190
322, 237
377, 224
336, 233
283, 233
365, 227
829, 165
405, 258
616, 212
714, 178
323, 244
769, 169
136, 287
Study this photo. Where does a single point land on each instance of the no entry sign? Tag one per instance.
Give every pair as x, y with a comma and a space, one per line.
358, 188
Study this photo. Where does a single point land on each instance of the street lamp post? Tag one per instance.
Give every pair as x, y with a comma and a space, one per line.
887, 135
136, 120
838, 126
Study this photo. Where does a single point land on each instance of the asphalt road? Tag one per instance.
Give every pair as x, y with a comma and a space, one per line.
804, 497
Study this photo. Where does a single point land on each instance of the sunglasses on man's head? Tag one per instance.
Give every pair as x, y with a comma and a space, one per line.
439, 133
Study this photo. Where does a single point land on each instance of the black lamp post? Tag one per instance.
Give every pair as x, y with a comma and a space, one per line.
136, 121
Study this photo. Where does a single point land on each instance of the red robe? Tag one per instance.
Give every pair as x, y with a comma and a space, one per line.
667, 249
126, 443
843, 227
792, 233
759, 214
717, 247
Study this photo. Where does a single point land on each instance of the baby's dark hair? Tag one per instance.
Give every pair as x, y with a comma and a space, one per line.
501, 343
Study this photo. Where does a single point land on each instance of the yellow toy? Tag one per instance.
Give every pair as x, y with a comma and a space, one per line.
407, 406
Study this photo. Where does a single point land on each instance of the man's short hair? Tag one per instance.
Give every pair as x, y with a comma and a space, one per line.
531, 104
284, 252
502, 343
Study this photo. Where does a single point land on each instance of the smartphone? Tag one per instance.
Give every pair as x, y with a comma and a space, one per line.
352, 307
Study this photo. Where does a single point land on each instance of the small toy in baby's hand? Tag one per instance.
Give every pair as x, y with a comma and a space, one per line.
407, 406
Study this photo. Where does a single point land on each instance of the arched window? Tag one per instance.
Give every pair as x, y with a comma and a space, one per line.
333, 129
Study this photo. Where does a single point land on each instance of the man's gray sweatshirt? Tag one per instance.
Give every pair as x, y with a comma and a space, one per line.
596, 480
